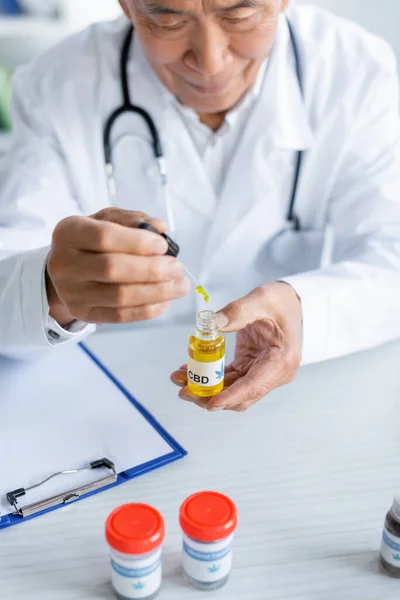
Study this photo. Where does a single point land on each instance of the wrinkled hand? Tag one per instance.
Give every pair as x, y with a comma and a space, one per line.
268, 348
103, 269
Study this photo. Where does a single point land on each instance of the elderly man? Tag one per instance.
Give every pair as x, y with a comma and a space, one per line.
279, 128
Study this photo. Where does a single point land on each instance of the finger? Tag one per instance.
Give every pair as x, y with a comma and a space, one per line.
179, 377
202, 402
181, 371
137, 294
239, 392
261, 379
129, 218
86, 233
277, 306
179, 382
230, 378
125, 315
241, 407
184, 394
123, 268
242, 312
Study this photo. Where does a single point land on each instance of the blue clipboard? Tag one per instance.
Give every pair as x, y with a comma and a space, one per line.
10, 7
177, 451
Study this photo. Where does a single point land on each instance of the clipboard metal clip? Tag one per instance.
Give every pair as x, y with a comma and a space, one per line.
65, 497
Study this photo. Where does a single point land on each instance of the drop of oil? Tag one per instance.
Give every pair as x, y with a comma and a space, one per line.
200, 290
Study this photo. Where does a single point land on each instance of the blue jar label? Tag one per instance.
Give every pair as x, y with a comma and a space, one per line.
136, 578
207, 563
390, 548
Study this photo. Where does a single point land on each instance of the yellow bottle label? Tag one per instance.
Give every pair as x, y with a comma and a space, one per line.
206, 374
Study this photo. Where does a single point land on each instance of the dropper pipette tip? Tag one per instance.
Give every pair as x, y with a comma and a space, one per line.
198, 287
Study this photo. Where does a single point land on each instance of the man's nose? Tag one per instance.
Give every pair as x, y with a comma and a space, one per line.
209, 52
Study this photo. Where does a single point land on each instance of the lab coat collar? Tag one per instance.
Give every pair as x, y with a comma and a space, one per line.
287, 120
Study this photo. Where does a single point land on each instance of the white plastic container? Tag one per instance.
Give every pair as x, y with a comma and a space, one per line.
208, 521
135, 533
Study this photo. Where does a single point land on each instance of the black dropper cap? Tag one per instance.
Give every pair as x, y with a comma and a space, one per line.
173, 248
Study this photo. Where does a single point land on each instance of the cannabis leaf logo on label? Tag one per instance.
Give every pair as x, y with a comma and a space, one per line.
139, 586
214, 569
220, 373
396, 556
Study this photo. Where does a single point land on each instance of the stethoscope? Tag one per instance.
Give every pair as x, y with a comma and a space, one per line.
127, 107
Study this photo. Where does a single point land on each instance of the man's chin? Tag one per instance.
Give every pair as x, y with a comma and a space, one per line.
204, 103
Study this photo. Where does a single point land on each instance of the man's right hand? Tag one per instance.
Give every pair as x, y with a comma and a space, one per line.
103, 269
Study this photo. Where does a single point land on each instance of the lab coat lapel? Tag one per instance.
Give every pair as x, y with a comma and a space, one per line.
189, 181
277, 128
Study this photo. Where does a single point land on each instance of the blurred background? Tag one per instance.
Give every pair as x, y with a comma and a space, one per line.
382, 17
28, 27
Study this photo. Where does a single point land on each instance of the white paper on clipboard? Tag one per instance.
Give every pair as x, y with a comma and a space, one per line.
62, 413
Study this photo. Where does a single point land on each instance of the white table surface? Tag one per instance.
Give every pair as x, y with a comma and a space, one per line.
312, 468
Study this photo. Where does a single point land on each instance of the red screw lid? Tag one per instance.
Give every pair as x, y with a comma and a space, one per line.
135, 529
208, 516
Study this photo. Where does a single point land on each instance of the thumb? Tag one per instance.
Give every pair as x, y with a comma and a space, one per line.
242, 312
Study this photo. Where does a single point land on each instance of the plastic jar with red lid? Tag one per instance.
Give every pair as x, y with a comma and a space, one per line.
208, 521
135, 533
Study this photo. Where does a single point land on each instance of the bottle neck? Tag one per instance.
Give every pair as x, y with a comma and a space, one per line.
206, 325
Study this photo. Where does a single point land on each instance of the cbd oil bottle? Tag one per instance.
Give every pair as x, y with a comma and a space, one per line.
206, 360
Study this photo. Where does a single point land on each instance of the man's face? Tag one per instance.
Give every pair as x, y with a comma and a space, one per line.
206, 52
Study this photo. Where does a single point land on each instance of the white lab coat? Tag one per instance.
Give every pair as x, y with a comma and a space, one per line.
348, 126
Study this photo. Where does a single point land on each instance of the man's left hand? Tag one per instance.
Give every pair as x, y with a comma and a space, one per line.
268, 348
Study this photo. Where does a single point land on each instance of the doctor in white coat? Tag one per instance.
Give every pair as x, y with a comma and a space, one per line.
253, 101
